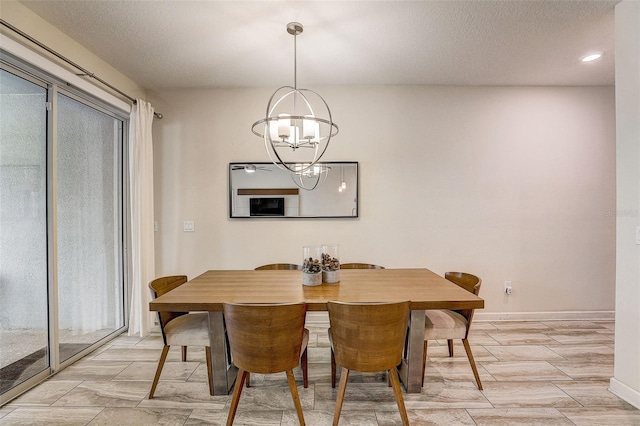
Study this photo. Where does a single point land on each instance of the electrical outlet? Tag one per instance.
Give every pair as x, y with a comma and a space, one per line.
188, 226
507, 287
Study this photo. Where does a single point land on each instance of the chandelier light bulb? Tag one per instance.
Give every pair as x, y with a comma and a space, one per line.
284, 126
309, 128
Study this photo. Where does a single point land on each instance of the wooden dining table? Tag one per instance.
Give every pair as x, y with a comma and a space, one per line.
422, 287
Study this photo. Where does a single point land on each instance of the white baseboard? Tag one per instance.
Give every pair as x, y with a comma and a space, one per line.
623, 391
545, 316
322, 318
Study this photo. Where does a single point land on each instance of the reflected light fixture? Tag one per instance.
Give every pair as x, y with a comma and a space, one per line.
297, 120
309, 176
343, 184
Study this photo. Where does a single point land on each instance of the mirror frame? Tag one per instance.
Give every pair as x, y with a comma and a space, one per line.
329, 163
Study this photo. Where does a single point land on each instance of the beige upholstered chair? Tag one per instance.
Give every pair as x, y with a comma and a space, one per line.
367, 338
446, 324
360, 266
267, 339
180, 328
287, 266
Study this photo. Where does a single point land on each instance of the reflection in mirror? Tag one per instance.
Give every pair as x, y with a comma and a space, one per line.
327, 189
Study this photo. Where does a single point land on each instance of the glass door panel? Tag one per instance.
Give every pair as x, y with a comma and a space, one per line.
89, 225
24, 336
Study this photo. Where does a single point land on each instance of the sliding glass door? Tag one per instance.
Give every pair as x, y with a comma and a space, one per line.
24, 333
62, 285
89, 224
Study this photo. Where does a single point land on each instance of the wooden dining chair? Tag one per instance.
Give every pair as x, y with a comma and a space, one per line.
280, 266
267, 339
360, 266
368, 338
449, 324
180, 328
274, 266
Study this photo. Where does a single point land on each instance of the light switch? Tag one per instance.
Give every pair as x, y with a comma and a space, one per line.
188, 226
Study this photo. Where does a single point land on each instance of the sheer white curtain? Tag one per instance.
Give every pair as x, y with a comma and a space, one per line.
141, 203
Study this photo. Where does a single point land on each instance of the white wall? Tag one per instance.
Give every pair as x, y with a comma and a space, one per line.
509, 183
626, 380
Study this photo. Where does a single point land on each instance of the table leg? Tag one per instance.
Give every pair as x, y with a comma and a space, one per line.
410, 370
224, 372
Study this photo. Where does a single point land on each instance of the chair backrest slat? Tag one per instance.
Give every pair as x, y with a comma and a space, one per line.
469, 282
163, 285
368, 337
265, 338
360, 266
280, 266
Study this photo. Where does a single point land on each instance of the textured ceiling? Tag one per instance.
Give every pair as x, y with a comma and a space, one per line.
190, 44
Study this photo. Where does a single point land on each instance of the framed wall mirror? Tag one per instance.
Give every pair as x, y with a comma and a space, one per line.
262, 190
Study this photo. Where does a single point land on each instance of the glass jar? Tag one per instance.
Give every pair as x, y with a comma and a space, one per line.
330, 263
312, 265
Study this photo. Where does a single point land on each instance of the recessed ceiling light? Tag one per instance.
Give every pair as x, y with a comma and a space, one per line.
592, 57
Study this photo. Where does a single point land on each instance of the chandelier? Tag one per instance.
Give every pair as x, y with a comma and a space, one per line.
297, 120
309, 176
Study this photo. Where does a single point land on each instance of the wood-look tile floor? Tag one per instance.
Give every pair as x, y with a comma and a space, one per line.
533, 373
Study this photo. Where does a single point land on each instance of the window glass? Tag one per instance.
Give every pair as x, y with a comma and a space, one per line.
23, 230
89, 225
